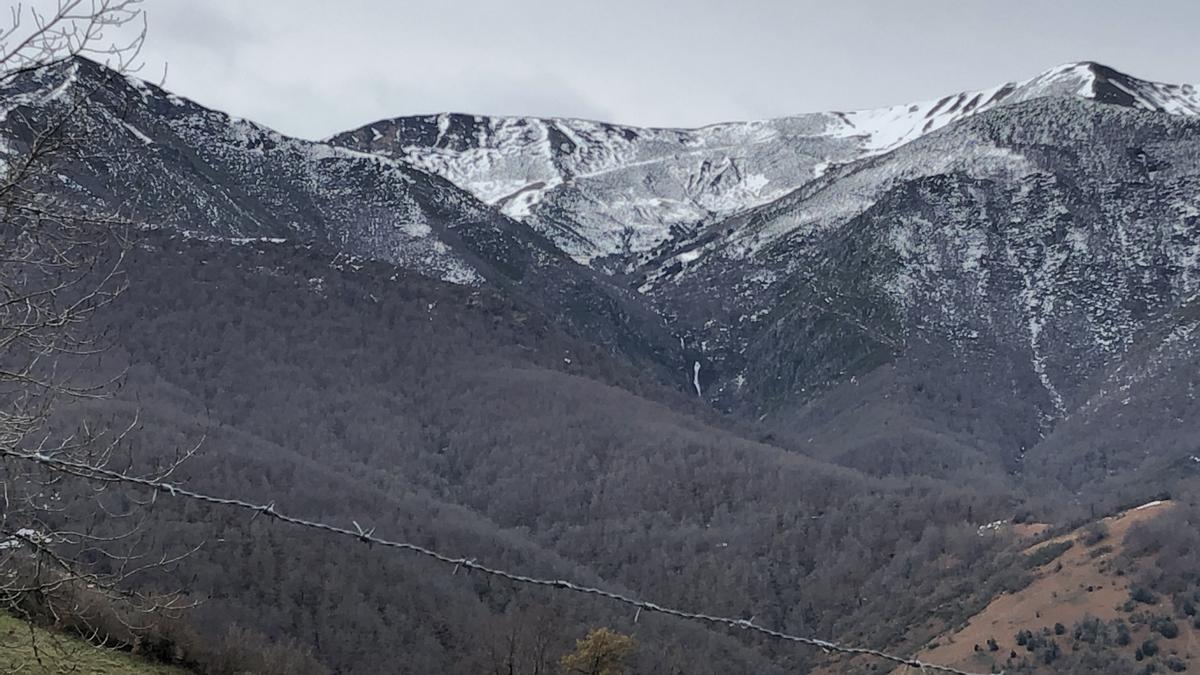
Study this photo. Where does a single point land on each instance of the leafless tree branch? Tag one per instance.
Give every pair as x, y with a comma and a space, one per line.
66, 555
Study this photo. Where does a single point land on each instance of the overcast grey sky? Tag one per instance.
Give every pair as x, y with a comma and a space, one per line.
314, 67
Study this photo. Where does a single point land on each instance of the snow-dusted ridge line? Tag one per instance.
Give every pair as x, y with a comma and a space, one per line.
391, 223
641, 184
1184, 99
884, 129
318, 149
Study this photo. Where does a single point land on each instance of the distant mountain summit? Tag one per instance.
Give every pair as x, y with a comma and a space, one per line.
1111, 86
886, 128
613, 192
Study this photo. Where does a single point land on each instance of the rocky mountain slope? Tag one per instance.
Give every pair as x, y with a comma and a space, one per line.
718, 225
792, 271
164, 161
1033, 244
603, 191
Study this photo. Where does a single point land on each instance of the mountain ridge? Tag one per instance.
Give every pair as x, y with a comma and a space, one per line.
698, 174
719, 309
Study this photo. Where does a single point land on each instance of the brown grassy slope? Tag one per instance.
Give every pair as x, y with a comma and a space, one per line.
1078, 583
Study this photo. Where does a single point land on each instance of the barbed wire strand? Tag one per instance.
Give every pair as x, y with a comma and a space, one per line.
367, 535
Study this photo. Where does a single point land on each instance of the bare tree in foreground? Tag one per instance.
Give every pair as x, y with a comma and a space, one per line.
66, 552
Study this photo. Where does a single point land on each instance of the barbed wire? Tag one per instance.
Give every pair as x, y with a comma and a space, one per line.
367, 536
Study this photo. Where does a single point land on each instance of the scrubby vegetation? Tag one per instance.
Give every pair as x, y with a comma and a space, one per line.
1047, 554
25, 648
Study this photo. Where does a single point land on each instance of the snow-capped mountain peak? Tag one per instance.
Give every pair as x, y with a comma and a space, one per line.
884, 129
604, 191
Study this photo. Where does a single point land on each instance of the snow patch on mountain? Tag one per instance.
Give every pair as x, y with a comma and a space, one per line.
138, 133
601, 190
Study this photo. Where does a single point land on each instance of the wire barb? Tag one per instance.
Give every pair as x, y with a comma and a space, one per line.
368, 536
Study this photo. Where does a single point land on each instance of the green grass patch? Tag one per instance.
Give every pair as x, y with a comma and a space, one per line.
60, 653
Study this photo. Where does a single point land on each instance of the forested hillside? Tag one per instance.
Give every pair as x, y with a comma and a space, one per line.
460, 420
